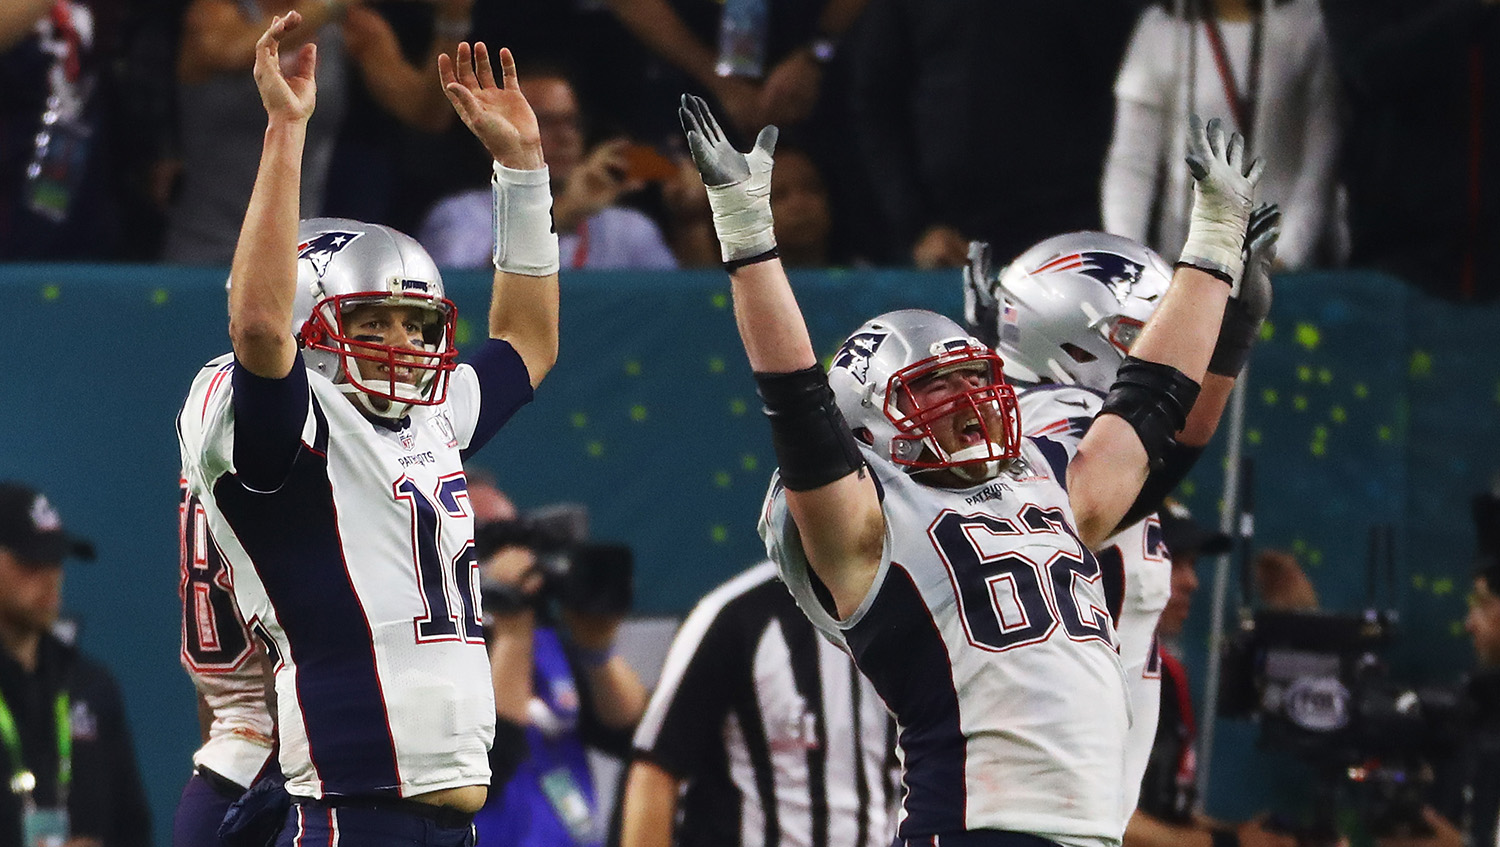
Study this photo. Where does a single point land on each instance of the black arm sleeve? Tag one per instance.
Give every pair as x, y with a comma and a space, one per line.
508, 752
268, 418
1177, 462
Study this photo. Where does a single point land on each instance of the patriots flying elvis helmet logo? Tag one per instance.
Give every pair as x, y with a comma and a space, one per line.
1118, 273
320, 249
855, 355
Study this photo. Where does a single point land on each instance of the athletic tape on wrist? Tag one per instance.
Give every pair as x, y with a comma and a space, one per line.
521, 214
742, 217
1214, 245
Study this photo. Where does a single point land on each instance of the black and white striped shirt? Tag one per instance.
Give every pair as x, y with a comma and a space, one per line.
778, 739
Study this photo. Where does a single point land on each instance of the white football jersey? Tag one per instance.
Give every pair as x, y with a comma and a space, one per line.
1137, 570
986, 634
358, 577
220, 655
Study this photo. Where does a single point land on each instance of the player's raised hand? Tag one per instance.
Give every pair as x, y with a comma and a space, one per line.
1247, 309
739, 184
1223, 193
497, 113
287, 86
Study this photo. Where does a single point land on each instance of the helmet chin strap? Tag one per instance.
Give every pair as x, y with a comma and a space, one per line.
394, 409
979, 471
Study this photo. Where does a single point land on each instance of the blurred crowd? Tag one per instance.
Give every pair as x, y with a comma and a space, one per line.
129, 132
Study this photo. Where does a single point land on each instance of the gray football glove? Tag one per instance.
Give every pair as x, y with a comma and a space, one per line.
1223, 193
1247, 310
739, 184
981, 304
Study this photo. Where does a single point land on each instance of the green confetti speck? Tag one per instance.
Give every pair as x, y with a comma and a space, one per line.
1318, 448
1456, 629
1337, 414
160, 296
1270, 396
1442, 586
1299, 403
1421, 364
595, 449
1308, 336
1384, 432
737, 407
1299, 546
749, 462
1325, 376
720, 300
462, 332
1361, 390
1419, 581
632, 367
716, 364
1188, 488
718, 533
1320, 433
1253, 436
1267, 331
1315, 558
1304, 373
579, 420
637, 413
51, 291
722, 479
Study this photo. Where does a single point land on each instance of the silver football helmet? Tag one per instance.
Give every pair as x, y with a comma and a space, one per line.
342, 264
873, 375
1071, 307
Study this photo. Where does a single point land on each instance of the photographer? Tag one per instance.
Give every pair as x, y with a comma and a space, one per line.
1470, 796
1166, 815
557, 680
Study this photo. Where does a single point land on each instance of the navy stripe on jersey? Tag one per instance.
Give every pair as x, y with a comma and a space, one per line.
504, 387
268, 418
1056, 456
1112, 566
899, 649
292, 540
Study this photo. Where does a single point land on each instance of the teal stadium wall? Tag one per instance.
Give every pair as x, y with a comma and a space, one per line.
1367, 403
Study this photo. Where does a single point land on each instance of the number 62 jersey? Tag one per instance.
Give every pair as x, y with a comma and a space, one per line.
986, 633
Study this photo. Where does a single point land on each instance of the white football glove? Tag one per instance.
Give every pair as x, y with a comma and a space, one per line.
1223, 194
739, 184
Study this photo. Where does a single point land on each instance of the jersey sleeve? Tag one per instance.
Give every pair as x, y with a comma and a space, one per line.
485, 391
684, 718
784, 547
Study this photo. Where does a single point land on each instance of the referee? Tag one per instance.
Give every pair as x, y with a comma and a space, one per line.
760, 734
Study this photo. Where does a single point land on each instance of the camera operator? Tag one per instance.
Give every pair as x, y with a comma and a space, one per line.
1166, 814
1470, 815
558, 683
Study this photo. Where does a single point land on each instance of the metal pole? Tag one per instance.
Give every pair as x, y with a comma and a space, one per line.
1227, 519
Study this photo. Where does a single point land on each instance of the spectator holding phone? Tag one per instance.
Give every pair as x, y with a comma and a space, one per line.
593, 230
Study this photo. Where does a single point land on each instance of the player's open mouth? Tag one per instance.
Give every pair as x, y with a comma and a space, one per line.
402, 374
972, 432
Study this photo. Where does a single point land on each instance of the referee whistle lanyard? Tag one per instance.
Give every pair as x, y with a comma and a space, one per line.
23, 781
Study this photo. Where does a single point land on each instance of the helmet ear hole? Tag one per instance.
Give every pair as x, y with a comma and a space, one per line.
863, 434
1080, 355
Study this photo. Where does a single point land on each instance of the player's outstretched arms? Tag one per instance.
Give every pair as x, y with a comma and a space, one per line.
263, 275
1159, 382
831, 496
524, 302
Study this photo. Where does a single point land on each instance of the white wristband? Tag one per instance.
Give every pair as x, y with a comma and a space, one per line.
522, 218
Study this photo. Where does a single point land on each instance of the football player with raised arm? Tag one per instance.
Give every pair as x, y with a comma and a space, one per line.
951, 556
327, 450
1063, 316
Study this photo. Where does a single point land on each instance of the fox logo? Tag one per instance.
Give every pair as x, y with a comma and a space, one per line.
321, 248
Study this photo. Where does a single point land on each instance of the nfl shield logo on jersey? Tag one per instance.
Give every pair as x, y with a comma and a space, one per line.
408, 438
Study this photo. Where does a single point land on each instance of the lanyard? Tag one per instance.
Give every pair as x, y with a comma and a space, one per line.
23, 781
1243, 106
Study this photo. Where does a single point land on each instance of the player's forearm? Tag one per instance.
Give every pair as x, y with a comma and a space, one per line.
406, 92
649, 806
263, 275
769, 319
1183, 331
619, 697
523, 311
510, 646
1203, 421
